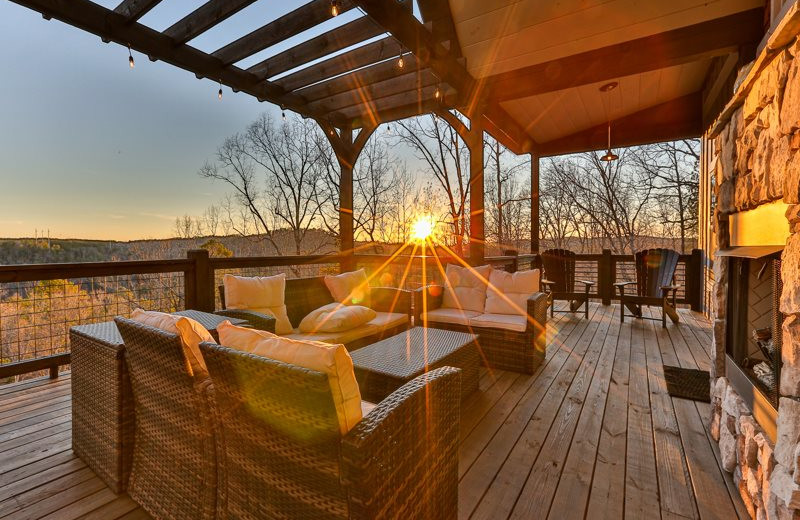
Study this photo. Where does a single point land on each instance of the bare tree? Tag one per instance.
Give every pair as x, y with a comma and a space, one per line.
212, 218
188, 227
507, 193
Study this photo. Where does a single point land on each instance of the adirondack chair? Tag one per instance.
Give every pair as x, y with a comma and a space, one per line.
559, 282
655, 285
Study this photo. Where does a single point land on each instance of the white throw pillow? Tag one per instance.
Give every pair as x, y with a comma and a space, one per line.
264, 294
508, 293
350, 288
465, 287
336, 317
332, 360
189, 330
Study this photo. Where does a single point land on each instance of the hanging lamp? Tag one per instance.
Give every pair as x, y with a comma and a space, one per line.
609, 156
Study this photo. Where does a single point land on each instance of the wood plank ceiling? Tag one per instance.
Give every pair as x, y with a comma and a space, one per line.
529, 69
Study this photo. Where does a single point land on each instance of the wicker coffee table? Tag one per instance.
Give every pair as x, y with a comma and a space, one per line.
383, 367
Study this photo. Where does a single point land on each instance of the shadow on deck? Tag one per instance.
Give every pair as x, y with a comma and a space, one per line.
592, 434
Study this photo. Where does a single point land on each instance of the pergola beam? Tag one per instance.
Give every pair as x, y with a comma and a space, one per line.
715, 37
416, 96
437, 14
291, 24
349, 61
680, 118
132, 10
204, 18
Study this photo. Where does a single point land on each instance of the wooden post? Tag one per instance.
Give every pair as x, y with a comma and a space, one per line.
604, 277
534, 203
199, 286
346, 238
477, 235
694, 280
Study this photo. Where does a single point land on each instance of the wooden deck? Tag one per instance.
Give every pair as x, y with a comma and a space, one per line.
593, 434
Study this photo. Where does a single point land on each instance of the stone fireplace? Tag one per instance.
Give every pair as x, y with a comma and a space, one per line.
753, 159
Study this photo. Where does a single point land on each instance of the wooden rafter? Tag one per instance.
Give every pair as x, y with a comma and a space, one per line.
679, 118
418, 96
437, 14
387, 115
686, 44
203, 18
375, 91
352, 60
291, 24
132, 10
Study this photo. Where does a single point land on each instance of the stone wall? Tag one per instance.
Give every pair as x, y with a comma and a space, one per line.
758, 161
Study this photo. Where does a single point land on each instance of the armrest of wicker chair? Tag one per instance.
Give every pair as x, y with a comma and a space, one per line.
537, 312
433, 300
391, 299
401, 460
256, 320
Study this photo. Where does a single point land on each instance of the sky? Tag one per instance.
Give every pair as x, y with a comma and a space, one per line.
90, 148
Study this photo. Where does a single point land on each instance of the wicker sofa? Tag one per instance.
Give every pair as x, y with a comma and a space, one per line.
281, 454
501, 347
303, 295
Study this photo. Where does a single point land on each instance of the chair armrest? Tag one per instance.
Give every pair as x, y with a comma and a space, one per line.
537, 312
390, 299
623, 284
432, 301
255, 319
670, 287
401, 460
587, 283
547, 284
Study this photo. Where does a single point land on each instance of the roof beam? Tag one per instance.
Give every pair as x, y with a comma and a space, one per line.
379, 72
389, 114
411, 33
679, 118
204, 18
352, 60
691, 43
351, 33
301, 19
376, 91
132, 10
417, 96
111, 26
437, 13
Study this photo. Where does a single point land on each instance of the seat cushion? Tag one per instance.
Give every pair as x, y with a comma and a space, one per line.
351, 288
508, 293
264, 294
189, 330
336, 317
512, 322
333, 360
386, 320
456, 316
465, 288
381, 322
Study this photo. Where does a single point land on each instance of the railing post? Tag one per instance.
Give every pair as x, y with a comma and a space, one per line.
512, 267
694, 280
605, 277
199, 289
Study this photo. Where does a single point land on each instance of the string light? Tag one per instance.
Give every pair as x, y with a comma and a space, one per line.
437, 93
130, 57
334, 7
400, 61
283, 113
219, 92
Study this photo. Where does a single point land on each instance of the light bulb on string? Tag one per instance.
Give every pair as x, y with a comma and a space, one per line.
401, 62
334, 8
130, 57
283, 114
219, 92
437, 93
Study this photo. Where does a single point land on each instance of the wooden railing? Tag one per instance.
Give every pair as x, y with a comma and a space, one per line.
38, 303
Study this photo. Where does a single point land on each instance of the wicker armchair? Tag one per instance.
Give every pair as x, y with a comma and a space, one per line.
174, 473
281, 453
500, 348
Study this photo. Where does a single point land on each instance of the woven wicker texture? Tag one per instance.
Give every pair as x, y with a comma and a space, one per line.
401, 460
174, 464
102, 403
499, 348
210, 321
383, 367
281, 451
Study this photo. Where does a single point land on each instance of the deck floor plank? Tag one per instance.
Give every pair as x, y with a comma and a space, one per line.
591, 434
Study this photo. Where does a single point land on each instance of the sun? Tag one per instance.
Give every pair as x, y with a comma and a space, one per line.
422, 228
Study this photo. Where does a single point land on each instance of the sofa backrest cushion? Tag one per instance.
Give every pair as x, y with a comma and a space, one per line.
351, 288
508, 293
332, 360
465, 287
264, 294
189, 330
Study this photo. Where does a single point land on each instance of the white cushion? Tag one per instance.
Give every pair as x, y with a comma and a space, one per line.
387, 320
350, 288
383, 321
189, 330
465, 288
456, 316
508, 293
513, 322
336, 317
332, 360
264, 294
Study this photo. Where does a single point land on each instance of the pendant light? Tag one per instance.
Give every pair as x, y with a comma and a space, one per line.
609, 156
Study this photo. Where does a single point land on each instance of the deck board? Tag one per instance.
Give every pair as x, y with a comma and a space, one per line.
592, 434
